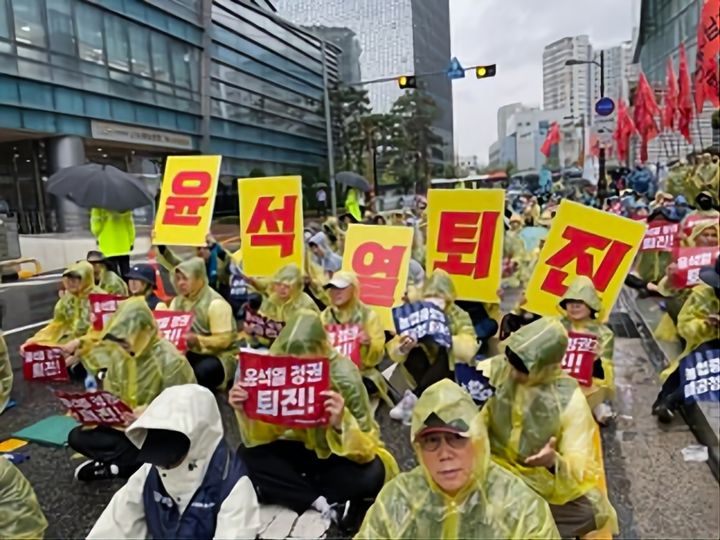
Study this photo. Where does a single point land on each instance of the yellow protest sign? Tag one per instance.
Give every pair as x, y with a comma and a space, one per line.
464, 238
187, 199
271, 223
380, 257
588, 242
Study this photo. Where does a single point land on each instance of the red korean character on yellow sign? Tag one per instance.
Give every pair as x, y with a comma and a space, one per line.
187, 199
464, 238
270, 223
588, 242
380, 257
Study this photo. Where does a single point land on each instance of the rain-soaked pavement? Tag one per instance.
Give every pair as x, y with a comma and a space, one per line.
655, 492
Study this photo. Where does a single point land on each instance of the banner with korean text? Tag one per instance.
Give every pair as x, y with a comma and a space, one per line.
684, 273
102, 308
43, 363
285, 390
660, 235
464, 238
174, 326
345, 339
380, 257
583, 241
90, 408
271, 223
187, 199
580, 357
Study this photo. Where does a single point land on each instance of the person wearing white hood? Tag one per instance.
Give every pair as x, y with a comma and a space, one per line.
192, 484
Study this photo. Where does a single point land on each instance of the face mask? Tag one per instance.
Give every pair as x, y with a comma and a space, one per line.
704, 203
164, 448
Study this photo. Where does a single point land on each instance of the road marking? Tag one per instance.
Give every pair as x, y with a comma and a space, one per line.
26, 327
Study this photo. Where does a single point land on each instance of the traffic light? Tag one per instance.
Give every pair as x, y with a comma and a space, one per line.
407, 81
482, 72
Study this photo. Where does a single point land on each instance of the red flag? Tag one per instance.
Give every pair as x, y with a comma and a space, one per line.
623, 130
553, 137
685, 106
708, 45
646, 109
670, 105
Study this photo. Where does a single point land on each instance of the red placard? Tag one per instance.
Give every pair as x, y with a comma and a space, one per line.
345, 339
174, 326
580, 356
102, 307
285, 390
660, 236
92, 408
689, 261
261, 327
43, 363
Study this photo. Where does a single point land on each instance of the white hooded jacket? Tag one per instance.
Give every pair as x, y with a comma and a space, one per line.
191, 410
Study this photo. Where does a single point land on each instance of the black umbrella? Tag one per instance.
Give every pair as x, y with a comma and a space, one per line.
353, 180
99, 186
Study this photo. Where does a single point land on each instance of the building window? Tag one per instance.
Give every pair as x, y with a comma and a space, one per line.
4, 21
90, 40
117, 43
180, 55
140, 50
29, 28
160, 58
60, 26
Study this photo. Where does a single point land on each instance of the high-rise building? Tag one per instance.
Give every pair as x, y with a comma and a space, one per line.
346, 40
396, 37
567, 87
618, 68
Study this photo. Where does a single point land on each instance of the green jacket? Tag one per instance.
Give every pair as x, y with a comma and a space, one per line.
115, 231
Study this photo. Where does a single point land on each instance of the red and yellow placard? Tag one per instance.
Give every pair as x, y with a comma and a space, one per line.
271, 223
588, 242
464, 238
380, 257
187, 199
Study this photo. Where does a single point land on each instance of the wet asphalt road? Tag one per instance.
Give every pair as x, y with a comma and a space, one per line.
656, 493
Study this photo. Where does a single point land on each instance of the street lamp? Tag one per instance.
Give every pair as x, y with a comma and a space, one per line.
602, 184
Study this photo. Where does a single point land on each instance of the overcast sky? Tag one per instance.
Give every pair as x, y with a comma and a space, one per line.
512, 34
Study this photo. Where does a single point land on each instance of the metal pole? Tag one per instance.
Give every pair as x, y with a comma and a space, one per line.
328, 135
602, 183
205, 90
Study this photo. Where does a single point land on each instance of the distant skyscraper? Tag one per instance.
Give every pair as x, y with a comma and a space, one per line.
349, 60
396, 37
567, 87
618, 69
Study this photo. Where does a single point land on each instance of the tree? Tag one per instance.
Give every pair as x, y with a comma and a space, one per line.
349, 106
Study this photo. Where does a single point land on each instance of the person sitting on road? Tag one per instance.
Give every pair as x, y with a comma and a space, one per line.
542, 430
347, 309
211, 341
71, 315
456, 491
426, 363
581, 307
20, 512
191, 484
141, 282
105, 277
284, 295
135, 364
334, 469
214, 256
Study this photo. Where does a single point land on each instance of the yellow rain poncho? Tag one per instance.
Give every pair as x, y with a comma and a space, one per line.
6, 374
522, 417
707, 178
151, 365
359, 437
20, 513
71, 316
493, 504
693, 324
111, 283
464, 339
352, 204
277, 310
582, 289
214, 323
358, 313
651, 265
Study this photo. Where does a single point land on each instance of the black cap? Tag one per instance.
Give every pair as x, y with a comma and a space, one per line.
164, 447
95, 256
142, 272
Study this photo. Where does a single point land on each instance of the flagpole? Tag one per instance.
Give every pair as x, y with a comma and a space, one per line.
699, 128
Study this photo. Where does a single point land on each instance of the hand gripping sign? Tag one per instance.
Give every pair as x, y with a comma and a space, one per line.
102, 308
92, 408
465, 235
583, 241
174, 326
43, 363
580, 357
285, 390
271, 223
688, 262
187, 199
380, 257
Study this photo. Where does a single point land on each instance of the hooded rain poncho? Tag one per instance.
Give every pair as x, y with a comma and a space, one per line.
20, 513
330, 261
111, 283
493, 504
274, 308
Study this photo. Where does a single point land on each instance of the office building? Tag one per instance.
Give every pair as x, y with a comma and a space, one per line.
346, 40
618, 72
567, 87
130, 82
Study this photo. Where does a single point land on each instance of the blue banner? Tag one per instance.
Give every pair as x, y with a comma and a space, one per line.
700, 373
423, 320
476, 384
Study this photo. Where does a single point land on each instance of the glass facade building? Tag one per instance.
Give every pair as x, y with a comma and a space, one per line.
129, 82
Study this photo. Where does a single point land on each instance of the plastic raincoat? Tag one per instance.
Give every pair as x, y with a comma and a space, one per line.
522, 418
336, 236
71, 316
330, 261
274, 308
359, 438
20, 513
115, 231
464, 339
693, 324
6, 374
358, 313
651, 265
707, 178
582, 289
111, 283
318, 280
214, 323
189, 409
494, 503
152, 364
